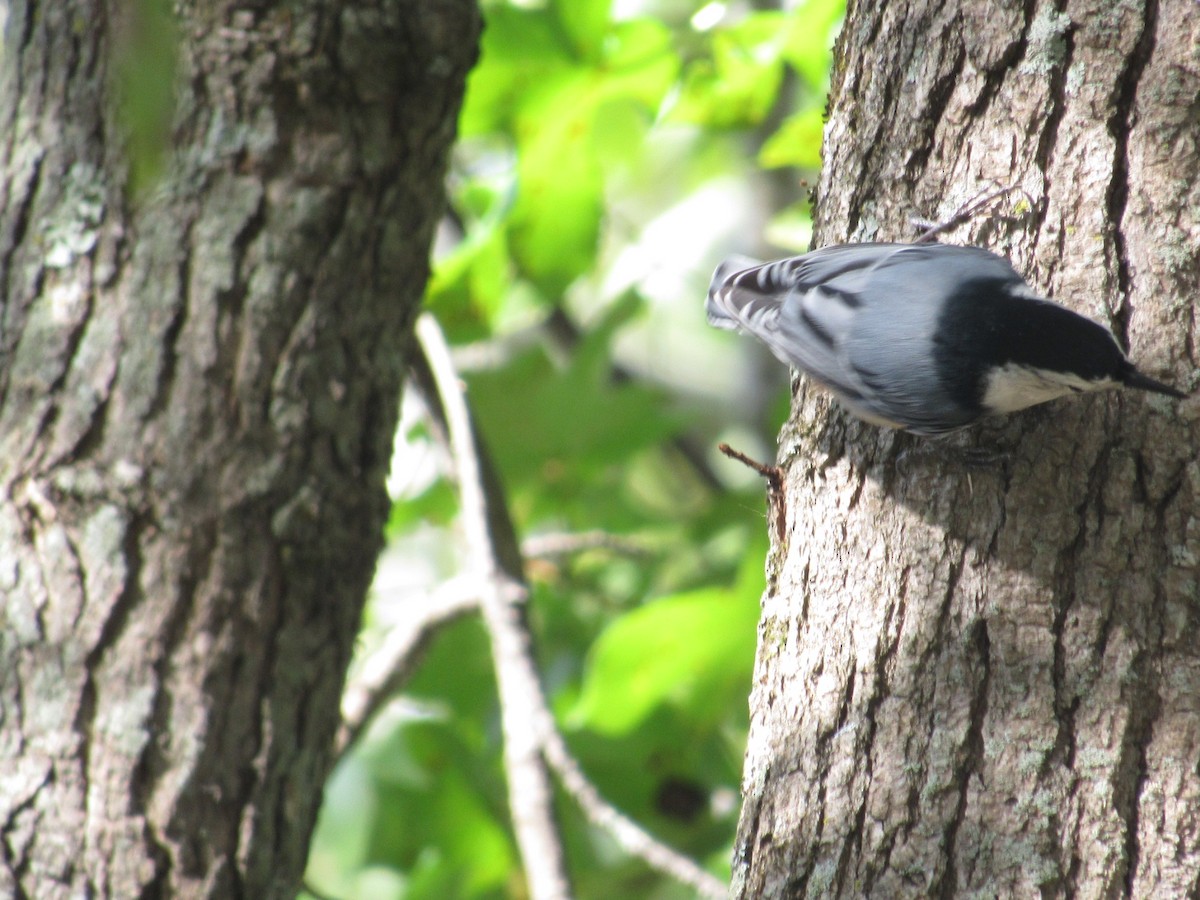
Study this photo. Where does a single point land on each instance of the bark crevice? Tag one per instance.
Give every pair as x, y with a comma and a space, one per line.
1120, 124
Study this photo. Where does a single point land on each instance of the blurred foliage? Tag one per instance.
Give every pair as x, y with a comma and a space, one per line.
583, 119
145, 46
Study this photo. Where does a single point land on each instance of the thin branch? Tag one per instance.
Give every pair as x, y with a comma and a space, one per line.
634, 839
385, 670
963, 214
523, 715
525, 712
773, 474
776, 494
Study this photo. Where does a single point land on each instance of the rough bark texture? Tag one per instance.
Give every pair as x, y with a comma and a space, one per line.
197, 397
985, 682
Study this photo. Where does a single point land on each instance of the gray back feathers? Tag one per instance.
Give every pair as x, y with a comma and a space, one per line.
862, 319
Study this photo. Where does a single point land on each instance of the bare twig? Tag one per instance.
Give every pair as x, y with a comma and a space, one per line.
524, 718
531, 737
773, 474
634, 839
963, 214
393, 662
776, 495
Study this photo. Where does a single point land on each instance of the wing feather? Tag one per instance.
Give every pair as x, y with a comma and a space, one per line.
844, 313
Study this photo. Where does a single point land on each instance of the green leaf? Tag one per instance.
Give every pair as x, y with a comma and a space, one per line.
556, 218
563, 117
585, 21
738, 84
639, 68
519, 50
435, 785
640, 63
471, 842
471, 283
457, 672
450, 839
546, 424
797, 142
679, 650
809, 39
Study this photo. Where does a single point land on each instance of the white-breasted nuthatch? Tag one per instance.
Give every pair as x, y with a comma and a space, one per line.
924, 337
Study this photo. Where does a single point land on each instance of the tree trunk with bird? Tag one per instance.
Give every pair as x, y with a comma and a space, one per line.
984, 680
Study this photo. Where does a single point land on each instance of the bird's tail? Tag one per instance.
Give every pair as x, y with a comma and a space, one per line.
717, 307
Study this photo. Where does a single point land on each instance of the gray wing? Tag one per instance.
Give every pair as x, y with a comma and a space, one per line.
860, 319
803, 308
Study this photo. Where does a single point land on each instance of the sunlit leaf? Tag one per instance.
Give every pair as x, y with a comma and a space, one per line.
640, 63
679, 650
797, 142
556, 218
738, 85
519, 50
540, 418
585, 21
809, 39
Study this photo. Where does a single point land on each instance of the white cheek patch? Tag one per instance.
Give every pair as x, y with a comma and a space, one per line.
1014, 387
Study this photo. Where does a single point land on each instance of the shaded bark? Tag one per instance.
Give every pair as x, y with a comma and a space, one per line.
198, 391
984, 681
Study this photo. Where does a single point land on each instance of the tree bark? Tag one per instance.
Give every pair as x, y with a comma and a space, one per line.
198, 391
983, 681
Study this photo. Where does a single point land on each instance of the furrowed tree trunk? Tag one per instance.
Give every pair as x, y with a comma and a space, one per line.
985, 681
198, 390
